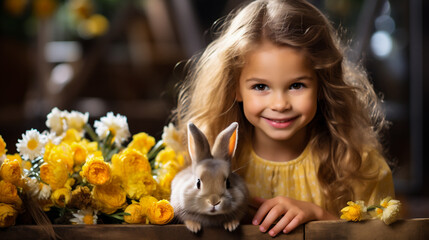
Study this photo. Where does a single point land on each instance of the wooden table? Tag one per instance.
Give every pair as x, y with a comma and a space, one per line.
371, 229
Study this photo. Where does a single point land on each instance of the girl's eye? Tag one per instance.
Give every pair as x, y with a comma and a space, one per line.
260, 87
296, 86
198, 183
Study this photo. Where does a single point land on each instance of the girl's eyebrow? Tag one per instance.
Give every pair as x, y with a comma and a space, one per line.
300, 78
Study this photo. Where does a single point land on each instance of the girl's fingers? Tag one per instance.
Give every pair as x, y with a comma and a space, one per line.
292, 225
271, 217
262, 211
279, 226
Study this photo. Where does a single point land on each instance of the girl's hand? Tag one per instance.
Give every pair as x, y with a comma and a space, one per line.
294, 213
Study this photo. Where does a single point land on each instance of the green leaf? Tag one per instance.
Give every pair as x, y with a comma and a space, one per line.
155, 150
91, 132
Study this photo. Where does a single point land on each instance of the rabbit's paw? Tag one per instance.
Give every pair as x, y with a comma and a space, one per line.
193, 226
231, 226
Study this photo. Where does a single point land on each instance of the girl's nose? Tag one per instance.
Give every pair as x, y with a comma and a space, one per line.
280, 102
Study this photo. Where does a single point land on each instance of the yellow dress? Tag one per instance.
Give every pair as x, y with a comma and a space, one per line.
298, 178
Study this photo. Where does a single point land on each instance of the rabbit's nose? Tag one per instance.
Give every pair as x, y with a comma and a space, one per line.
213, 200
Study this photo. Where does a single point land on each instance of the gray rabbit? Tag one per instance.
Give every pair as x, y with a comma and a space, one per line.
207, 193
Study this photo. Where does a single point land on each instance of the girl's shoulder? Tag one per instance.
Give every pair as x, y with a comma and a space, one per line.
374, 165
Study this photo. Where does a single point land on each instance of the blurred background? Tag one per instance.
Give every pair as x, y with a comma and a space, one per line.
126, 56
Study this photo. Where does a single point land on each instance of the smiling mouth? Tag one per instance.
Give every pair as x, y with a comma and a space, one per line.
280, 123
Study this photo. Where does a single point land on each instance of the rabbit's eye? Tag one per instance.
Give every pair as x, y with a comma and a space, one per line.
198, 183
228, 184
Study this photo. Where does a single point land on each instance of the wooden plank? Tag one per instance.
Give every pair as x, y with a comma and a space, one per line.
371, 229
128, 231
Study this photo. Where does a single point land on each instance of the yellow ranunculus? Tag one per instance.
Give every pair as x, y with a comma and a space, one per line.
138, 185
109, 197
9, 194
137, 214
158, 212
59, 154
11, 171
96, 171
161, 212
354, 211
54, 175
91, 147
72, 135
130, 161
142, 142
2, 147
61, 197
8, 215
79, 153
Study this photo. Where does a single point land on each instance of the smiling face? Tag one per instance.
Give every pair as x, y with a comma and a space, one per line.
278, 89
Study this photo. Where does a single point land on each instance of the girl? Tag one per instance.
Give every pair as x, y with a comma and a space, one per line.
309, 120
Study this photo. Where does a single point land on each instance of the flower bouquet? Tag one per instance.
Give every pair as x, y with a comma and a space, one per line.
387, 211
80, 175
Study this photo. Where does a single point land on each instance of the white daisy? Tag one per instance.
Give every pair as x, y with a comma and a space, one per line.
56, 121
170, 137
77, 120
85, 216
52, 137
117, 125
31, 145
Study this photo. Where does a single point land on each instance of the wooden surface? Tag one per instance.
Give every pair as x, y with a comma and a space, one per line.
134, 232
372, 229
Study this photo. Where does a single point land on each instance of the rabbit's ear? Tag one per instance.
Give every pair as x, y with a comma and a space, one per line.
226, 142
198, 145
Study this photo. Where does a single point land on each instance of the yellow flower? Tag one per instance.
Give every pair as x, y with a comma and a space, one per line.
135, 172
72, 135
2, 146
91, 147
158, 212
354, 211
59, 155
9, 194
44, 8
96, 171
130, 161
109, 197
136, 212
11, 171
137, 185
79, 153
8, 215
142, 142
54, 175
161, 212
61, 197
389, 211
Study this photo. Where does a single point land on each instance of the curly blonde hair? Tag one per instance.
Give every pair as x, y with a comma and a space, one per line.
348, 119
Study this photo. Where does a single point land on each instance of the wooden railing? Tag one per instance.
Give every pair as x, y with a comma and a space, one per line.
371, 229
